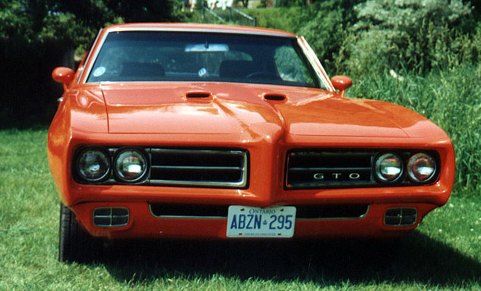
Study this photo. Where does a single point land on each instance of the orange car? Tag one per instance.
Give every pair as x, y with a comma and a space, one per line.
210, 131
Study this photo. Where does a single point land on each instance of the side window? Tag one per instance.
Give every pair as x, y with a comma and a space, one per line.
290, 66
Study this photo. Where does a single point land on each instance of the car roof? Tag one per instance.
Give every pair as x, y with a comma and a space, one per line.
194, 27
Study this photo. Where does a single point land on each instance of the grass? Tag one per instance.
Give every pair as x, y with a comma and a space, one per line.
449, 98
444, 253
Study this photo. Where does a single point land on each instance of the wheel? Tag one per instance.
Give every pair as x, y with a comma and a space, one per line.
75, 244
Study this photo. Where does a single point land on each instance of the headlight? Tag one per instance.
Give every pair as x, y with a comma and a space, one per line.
93, 165
389, 168
421, 168
130, 165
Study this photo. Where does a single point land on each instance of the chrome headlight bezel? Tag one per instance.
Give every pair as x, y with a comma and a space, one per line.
412, 172
381, 164
136, 155
102, 156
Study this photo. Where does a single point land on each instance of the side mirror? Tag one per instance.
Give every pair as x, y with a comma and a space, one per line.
63, 75
341, 83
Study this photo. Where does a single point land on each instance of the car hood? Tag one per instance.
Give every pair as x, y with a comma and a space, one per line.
240, 108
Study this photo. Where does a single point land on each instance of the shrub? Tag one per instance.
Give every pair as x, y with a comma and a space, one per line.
326, 30
410, 35
285, 18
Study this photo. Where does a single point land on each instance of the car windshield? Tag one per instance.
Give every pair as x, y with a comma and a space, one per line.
205, 57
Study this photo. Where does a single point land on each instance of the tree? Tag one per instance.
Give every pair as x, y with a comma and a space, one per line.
415, 35
76, 21
37, 35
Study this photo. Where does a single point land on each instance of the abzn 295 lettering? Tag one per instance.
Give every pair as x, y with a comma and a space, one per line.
259, 221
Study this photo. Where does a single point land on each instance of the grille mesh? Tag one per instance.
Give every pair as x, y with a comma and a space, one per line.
199, 167
321, 169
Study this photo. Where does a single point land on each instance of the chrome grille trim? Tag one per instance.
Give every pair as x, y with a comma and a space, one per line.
310, 169
188, 211
310, 212
199, 167
328, 169
346, 168
196, 168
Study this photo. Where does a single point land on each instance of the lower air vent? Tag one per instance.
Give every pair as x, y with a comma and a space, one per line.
199, 167
400, 216
111, 217
320, 169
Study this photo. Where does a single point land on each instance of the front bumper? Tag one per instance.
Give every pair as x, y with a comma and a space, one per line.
142, 223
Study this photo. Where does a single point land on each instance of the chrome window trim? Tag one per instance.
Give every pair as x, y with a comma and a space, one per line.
89, 61
315, 63
82, 69
201, 29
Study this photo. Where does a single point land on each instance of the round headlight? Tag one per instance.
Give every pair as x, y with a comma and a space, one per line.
389, 168
93, 165
130, 165
421, 168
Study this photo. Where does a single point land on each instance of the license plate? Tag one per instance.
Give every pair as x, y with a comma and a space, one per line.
272, 222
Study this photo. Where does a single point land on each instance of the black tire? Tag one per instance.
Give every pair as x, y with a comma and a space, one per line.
75, 244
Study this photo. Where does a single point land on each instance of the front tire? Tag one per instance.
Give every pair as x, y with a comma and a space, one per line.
76, 244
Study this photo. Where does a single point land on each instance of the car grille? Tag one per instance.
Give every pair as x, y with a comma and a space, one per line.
322, 169
199, 167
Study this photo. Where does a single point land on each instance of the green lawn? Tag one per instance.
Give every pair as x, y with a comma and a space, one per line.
444, 253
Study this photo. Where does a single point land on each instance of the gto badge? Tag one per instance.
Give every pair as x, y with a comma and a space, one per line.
337, 176
318, 176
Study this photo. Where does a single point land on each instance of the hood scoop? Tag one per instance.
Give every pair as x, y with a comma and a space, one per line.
274, 97
198, 95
